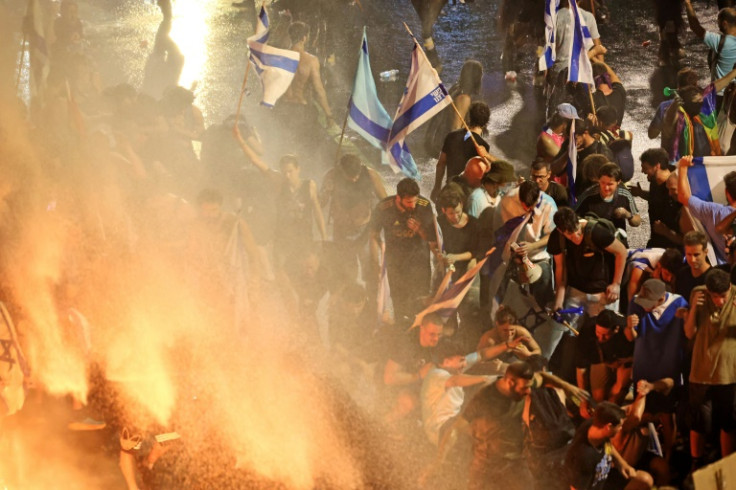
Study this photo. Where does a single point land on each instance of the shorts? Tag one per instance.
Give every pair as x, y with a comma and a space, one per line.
713, 407
603, 377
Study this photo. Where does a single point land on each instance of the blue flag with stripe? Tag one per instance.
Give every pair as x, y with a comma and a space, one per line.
424, 97
275, 67
550, 25
366, 115
580, 68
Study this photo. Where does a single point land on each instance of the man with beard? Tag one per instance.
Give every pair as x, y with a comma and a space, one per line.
664, 211
495, 417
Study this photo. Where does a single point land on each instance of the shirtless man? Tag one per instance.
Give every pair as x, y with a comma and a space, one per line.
307, 73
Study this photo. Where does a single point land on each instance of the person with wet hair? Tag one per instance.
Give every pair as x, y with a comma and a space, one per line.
711, 322
652, 263
588, 144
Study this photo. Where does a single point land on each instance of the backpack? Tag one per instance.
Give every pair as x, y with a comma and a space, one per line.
619, 142
594, 220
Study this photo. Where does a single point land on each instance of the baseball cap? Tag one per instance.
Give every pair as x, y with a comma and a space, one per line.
568, 111
650, 293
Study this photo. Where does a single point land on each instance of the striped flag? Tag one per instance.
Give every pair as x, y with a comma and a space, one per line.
35, 24
366, 115
706, 182
580, 68
550, 24
451, 298
424, 97
275, 67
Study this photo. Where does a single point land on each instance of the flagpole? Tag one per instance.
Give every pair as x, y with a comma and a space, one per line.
342, 133
452, 102
242, 93
590, 93
22, 58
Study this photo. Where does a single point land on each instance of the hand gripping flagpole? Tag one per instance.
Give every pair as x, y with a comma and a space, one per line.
452, 102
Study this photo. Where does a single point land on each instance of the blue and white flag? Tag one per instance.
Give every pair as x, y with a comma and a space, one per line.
706, 182
706, 177
424, 97
572, 162
550, 25
366, 115
580, 68
275, 67
451, 298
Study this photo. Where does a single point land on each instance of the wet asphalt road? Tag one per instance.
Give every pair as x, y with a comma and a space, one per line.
212, 36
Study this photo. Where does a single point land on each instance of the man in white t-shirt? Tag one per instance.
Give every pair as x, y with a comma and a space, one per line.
564, 36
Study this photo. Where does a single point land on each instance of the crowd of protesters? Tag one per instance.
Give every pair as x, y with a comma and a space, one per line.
624, 375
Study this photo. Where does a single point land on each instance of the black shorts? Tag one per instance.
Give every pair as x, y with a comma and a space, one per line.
713, 407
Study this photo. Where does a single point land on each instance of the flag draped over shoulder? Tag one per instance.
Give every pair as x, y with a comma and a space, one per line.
550, 25
424, 97
275, 67
366, 115
35, 31
580, 68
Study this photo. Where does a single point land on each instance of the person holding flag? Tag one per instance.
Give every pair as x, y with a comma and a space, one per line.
299, 108
424, 97
408, 227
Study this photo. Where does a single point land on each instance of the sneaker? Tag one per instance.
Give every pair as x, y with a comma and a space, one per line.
510, 76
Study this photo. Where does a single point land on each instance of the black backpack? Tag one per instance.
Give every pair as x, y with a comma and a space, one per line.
594, 220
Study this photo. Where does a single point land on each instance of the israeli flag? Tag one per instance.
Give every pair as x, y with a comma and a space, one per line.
706, 177
580, 68
275, 67
550, 24
366, 115
423, 98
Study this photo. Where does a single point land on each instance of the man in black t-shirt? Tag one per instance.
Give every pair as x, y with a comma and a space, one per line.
692, 274
583, 252
664, 211
409, 231
495, 417
589, 266
458, 147
591, 458
603, 357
